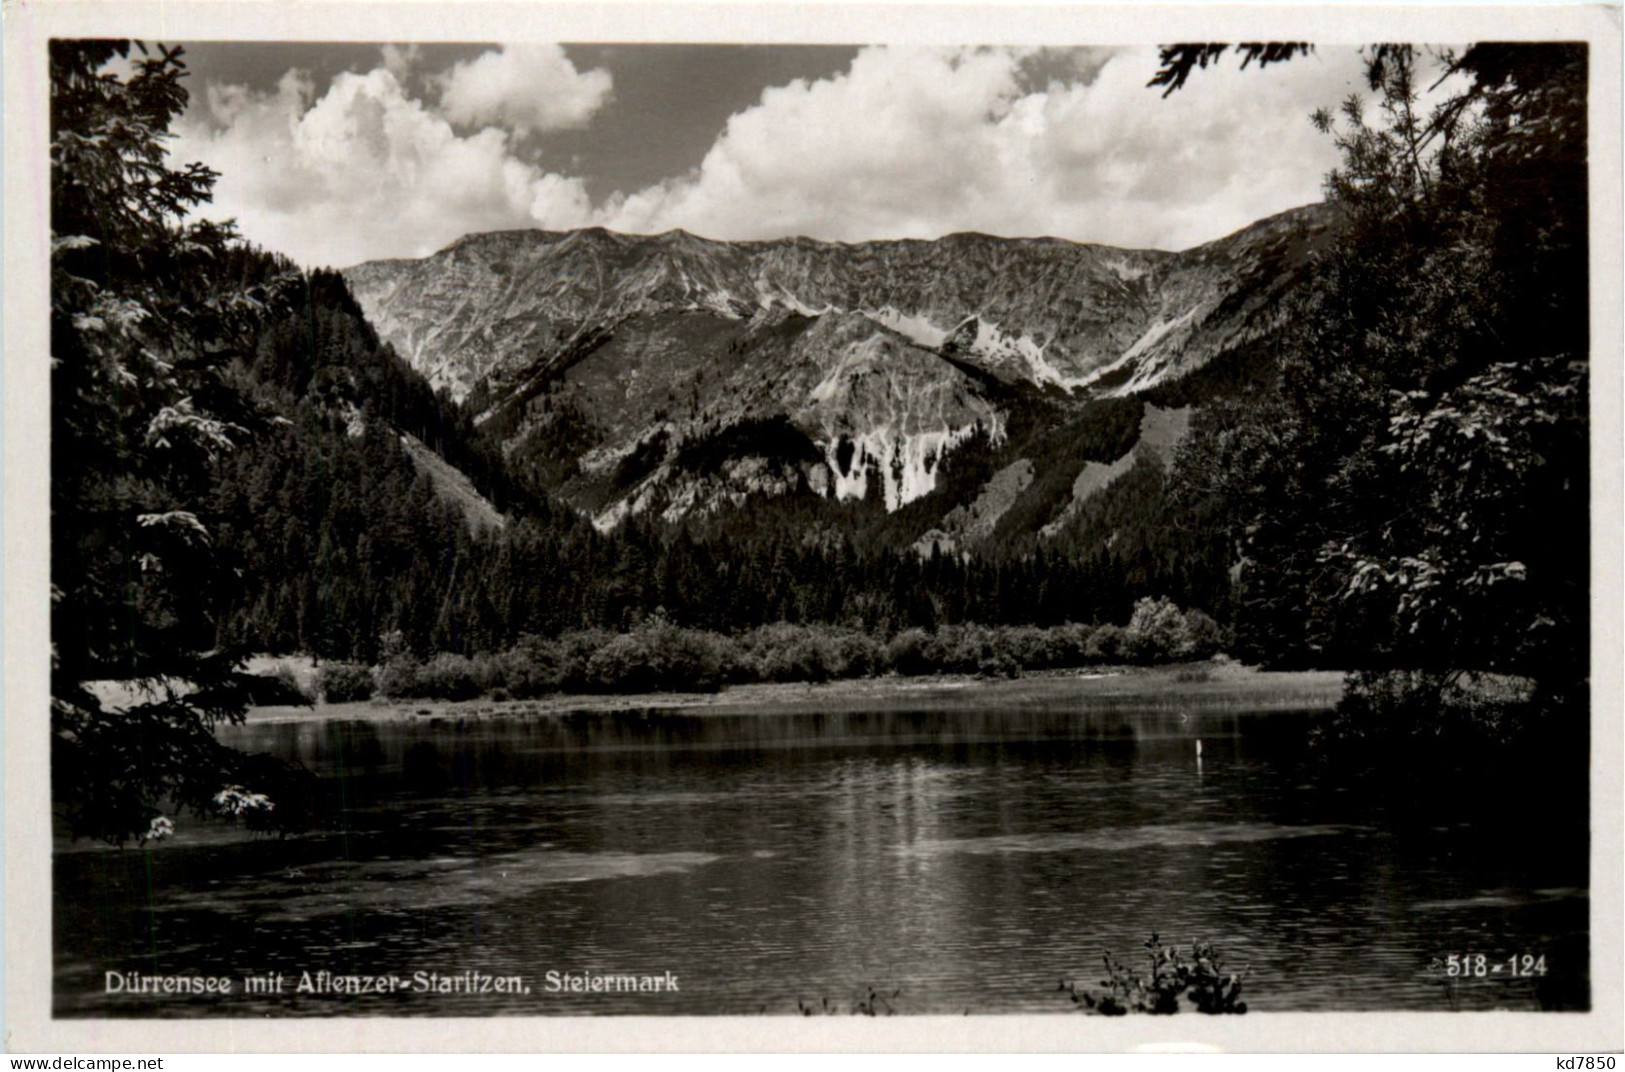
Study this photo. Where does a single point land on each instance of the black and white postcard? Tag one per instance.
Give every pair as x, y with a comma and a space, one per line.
641, 526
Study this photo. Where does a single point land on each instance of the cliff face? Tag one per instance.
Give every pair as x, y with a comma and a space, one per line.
673, 373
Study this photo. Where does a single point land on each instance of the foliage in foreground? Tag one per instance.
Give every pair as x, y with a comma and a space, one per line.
148, 309
876, 1003
1409, 499
1201, 979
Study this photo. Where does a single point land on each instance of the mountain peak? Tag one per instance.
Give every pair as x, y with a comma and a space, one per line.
1312, 217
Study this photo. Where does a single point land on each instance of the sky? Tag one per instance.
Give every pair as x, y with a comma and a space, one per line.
336, 154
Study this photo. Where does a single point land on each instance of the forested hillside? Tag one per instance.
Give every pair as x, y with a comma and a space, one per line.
343, 547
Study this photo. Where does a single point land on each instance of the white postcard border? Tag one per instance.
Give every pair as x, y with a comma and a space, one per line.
24, 527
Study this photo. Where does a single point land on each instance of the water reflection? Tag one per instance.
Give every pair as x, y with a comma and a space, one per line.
967, 859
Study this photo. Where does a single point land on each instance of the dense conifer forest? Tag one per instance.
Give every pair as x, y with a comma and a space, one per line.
339, 541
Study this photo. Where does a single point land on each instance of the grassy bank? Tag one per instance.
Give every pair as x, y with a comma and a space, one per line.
1205, 686
659, 655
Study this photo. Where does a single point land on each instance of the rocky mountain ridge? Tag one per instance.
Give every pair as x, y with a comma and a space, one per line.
1053, 312
667, 373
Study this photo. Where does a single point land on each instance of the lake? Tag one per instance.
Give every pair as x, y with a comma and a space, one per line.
949, 861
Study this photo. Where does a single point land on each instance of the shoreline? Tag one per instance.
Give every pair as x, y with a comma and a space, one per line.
1207, 686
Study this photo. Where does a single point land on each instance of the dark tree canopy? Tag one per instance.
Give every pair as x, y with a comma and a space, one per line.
1177, 62
1413, 495
145, 316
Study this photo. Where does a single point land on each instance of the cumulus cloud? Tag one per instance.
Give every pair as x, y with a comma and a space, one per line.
401, 61
915, 142
907, 142
523, 88
363, 171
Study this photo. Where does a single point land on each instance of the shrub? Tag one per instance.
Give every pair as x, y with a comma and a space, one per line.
620, 665
1156, 632
660, 655
1070, 643
1437, 709
1106, 644
344, 682
1203, 637
448, 676
785, 652
1202, 979
696, 659
859, 654
1160, 631
289, 683
1030, 647
280, 686
1389, 704
998, 664
905, 652
965, 647
397, 678
877, 1003
534, 666
574, 652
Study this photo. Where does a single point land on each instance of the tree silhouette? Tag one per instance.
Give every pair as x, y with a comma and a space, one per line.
141, 332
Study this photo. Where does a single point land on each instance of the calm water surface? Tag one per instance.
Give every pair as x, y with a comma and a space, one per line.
965, 861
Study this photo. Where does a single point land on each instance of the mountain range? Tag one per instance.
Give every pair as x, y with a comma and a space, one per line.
664, 375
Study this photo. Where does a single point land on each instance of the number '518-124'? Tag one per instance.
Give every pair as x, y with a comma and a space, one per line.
1480, 966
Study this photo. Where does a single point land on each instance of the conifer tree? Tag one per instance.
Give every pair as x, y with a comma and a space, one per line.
1414, 497
142, 411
